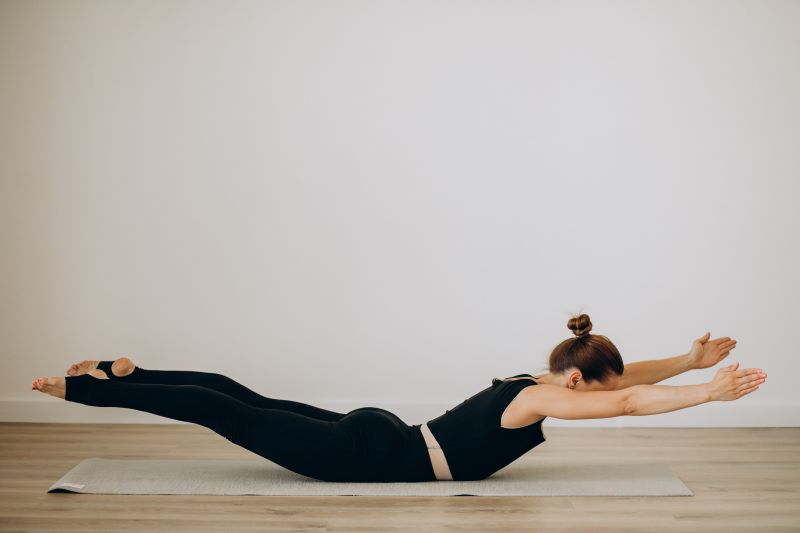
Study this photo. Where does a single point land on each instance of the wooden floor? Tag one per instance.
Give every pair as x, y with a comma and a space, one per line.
743, 480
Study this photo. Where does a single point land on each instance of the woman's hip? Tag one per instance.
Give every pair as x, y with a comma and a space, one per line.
393, 450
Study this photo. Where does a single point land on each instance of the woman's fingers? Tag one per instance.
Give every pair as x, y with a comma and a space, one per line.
750, 376
726, 346
746, 390
749, 382
749, 379
749, 385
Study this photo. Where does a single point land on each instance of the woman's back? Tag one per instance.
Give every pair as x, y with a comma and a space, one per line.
471, 437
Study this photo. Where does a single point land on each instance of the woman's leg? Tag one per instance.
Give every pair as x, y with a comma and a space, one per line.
219, 383
322, 449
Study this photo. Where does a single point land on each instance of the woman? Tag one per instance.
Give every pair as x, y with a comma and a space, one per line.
484, 433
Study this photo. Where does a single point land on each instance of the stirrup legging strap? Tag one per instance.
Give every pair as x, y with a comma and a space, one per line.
366, 444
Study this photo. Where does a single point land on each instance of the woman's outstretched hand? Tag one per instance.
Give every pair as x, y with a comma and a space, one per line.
705, 353
731, 384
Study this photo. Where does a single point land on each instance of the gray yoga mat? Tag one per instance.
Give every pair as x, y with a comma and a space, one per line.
245, 477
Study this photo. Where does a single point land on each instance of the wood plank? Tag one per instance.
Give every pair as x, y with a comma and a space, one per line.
744, 479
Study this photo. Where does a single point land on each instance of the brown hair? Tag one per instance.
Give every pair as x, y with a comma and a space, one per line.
594, 355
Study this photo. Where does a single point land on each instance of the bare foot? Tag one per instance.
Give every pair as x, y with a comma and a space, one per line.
81, 368
96, 373
53, 386
121, 367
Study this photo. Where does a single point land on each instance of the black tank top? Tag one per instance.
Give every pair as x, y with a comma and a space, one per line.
473, 442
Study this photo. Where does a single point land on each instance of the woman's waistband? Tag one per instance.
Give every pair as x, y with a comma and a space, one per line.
436, 454
414, 464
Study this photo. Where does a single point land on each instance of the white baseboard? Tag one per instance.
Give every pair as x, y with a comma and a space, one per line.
717, 414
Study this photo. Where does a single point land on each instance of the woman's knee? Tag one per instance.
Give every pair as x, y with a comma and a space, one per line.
219, 382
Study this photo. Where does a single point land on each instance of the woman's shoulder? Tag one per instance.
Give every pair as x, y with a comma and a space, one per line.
515, 378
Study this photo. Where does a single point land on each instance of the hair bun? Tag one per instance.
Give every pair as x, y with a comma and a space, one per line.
580, 325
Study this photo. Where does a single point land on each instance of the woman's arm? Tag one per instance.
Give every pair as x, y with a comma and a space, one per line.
653, 371
654, 399
703, 354
728, 384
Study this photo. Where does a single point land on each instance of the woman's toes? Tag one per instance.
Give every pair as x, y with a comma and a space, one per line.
83, 367
52, 386
98, 374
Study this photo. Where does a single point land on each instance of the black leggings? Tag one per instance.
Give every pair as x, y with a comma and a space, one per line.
366, 444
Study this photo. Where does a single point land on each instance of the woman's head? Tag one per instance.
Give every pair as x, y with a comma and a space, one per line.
586, 361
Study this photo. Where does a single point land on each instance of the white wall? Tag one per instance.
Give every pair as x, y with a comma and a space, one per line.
389, 203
